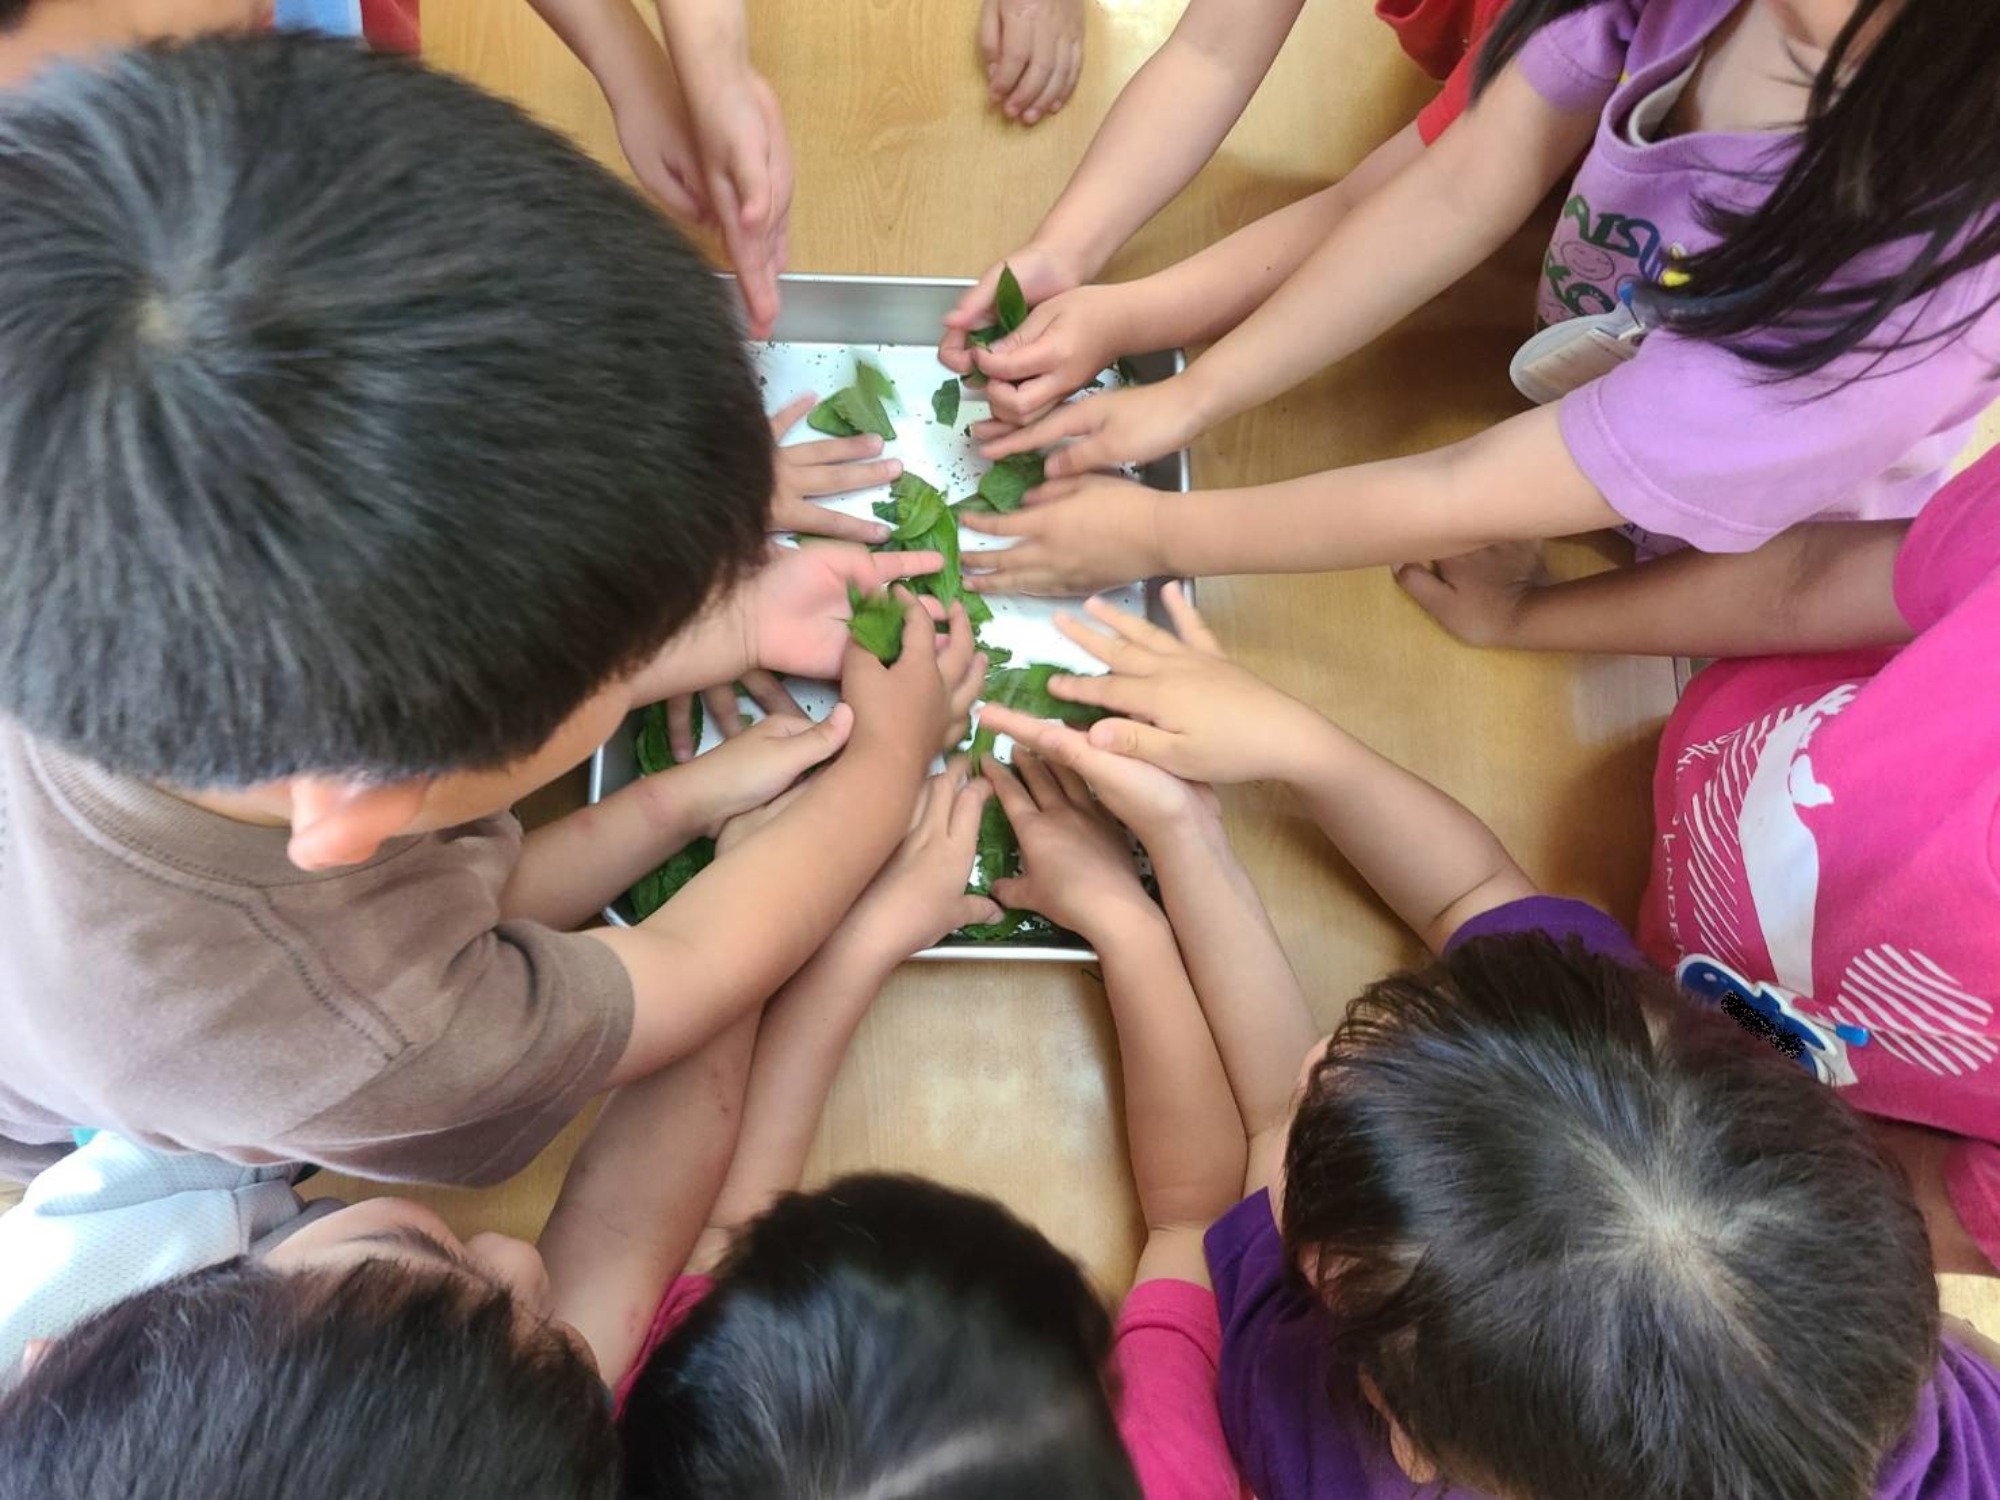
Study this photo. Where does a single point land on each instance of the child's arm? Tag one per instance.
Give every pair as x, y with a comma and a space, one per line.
1181, 1122
1162, 128
1827, 586
1513, 482
736, 931
916, 899
1419, 233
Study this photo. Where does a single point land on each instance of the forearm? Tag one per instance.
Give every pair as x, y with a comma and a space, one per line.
1163, 127
1431, 860
1426, 227
608, 38
1923, 1155
1203, 297
1826, 586
708, 40
738, 930
1186, 1137
1512, 482
638, 1195
571, 868
1256, 1012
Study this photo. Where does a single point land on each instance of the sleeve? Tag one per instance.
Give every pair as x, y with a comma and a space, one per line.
1456, 96
1168, 1351
1575, 61
1954, 546
1559, 918
1688, 440
682, 1296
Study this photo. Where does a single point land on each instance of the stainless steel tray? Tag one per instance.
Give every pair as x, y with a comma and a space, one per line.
896, 322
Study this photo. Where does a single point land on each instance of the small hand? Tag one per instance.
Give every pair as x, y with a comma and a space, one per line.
1478, 597
1061, 347
920, 895
1076, 862
1043, 273
906, 709
754, 767
657, 137
830, 466
747, 163
1120, 427
795, 611
1034, 54
722, 710
1071, 537
1185, 706
1144, 798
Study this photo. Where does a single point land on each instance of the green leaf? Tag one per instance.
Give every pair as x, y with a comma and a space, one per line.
1026, 690
1003, 485
919, 508
1008, 302
996, 656
877, 624
944, 402
983, 741
652, 747
657, 889
986, 338
862, 410
999, 850
1010, 925
973, 505
871, 379
826, 418
887, 510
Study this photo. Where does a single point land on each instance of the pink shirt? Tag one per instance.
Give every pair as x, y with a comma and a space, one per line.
1169, 1343
1829, 847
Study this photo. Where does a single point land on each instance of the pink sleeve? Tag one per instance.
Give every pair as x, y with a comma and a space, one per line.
1168, 1351
1972, 1182
1954, 546
682, 1296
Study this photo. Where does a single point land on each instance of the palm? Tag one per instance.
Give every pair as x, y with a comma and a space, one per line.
801, 611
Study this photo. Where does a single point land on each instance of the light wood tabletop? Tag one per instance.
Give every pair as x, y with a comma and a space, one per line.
1001, 1077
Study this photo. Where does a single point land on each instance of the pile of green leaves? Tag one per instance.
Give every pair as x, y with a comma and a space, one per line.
860, 407
922, 521
655, 752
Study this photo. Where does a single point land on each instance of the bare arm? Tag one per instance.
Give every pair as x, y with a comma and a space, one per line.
1824, 586
1922, 1154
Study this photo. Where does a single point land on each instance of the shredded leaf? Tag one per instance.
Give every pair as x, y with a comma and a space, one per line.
871, 379
826, 418
1003, 485
655, 753
1008, 301
876, 623
944, 402
1026, 690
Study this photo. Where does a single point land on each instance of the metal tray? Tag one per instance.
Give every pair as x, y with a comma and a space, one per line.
896, 322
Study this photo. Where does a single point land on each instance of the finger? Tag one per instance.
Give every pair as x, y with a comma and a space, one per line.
1055, 86
680, 727
1037, 778
975, 308
1016, 892
1072, 74
673, 193
791, 413
1188, 623
1135, 629
989, 34
1034, 75
771, 695
918, 631
1007, 787
1424, 586
1033, 398
974, 911
968, 805
812, 742
722, 710
1089, 454
1120, 695
1140, 741
879, 569
1058, 742
846, 478
1014, 523
827, 452
1073, 785
1113, 650
818, 520
955, 659
1069, 422
1018, 570
970, 685
1016, 52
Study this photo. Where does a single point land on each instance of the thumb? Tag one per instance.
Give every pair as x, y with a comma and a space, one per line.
1012, 893
1013, 523
1140, 741
1018, 357
973, 910
1422, 585
814, 742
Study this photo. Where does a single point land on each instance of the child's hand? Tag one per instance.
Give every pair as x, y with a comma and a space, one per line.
1061, 347
723, 711
1120, 427
920, 895
1072, 537
830, 466
1186, 707
1034, 54
1146, 799
794, 614
656, 135
1043, 272
750, 769
747, 165
906, 709
1478, 597
1076, 863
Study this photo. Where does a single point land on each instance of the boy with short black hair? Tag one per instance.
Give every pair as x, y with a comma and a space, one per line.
366, 454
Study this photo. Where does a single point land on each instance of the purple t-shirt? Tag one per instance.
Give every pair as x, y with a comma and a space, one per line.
1687, 441
1301, 1433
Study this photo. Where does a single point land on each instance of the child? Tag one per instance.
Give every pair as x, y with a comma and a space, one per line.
887, 1335
1777, 303
1537, 1226
1826, 855
339, 518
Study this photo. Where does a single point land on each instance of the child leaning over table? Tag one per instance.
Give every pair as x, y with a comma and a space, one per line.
338, 517
1532, 1223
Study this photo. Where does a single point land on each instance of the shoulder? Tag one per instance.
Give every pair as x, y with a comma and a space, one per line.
1556, 917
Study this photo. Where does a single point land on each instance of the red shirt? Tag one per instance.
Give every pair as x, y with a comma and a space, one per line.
1442, 37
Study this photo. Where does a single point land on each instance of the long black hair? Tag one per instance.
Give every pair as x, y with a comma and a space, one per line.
885, 1335
1587, 1238
1891, 195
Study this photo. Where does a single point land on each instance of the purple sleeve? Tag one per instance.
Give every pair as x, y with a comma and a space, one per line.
1688, 440
1575, 61
1559, 918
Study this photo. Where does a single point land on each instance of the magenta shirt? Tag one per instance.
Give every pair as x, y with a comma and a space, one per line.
1829, 847
1686, 441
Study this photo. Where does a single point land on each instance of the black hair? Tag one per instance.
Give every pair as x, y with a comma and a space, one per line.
1891, 195
883, 1335
350, 421
12, 13
1588, 1238
242, 1383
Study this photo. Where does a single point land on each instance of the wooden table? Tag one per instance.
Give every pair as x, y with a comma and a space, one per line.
1001, 1077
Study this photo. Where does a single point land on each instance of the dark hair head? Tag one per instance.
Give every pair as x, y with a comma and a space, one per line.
349, 420
883, 1336
12, 12
1589, 1239
241, 1383
1893, 190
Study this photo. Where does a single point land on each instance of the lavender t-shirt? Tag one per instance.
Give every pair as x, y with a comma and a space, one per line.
1301, 1433
1687, 441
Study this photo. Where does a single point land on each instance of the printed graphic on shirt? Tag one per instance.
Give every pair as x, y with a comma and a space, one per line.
1821, 1049
1922, 1015
1595, 255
